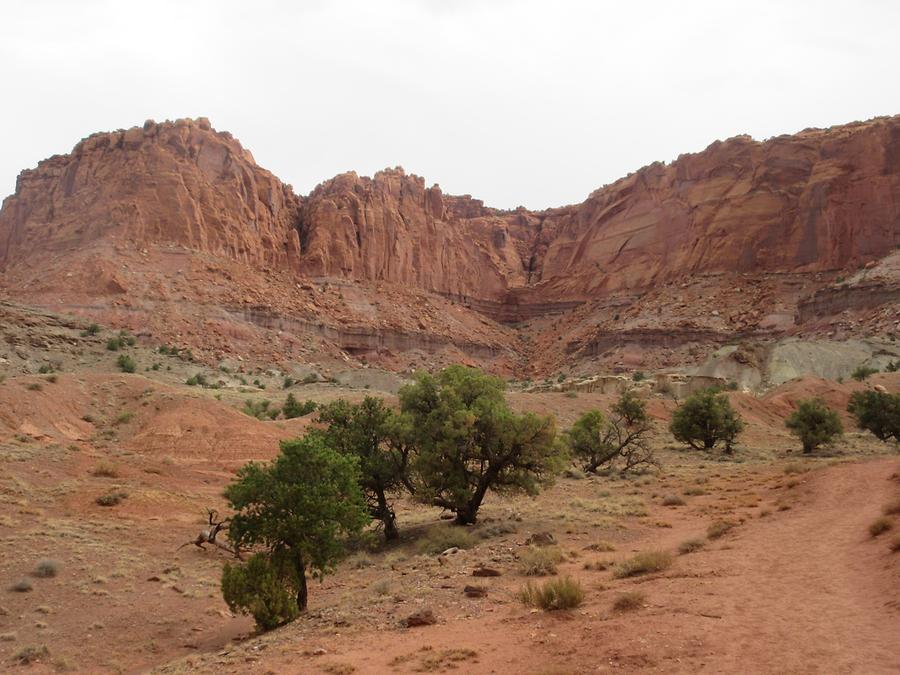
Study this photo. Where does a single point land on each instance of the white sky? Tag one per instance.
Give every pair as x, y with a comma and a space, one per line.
532, 103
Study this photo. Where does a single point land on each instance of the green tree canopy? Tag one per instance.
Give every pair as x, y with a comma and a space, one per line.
814, 423
878, 412
469, 441
620, 440
381, 441
706, 419
296, 509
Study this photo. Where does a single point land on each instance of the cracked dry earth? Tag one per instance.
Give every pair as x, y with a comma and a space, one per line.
797, 586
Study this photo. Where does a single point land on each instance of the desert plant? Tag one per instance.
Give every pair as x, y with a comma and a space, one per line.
704, 420
720, 528
288, 382
196, 380
626, 602
126, 364
46, 568
111, 498
539, 561
672, 500
880, 526
877, 412
691, 545
261, 587
295, 509
22, 586
469, 442
863, 372
555, 594
645, 562
31, 654
312, 378
618, 442
814, 423
381, 441
293, 408
91, 330
892, 367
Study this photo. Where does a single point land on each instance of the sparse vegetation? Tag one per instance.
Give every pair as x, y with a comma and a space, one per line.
31, 654
691, 545
111, 498
442, 537
90, 331
260, 409
645, 562
126, 364
880, 526
672, 500
539, 561
46, 568
814, 423
105, 470
863, 372
706, 419
720, 528
293, 408
197, 380
627, 602
22, 586
555, 594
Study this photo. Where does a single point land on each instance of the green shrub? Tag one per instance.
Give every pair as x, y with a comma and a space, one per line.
706, 419
638, 376
288, 382
262, 588
44, 369
643, 563
22, 586
863, 372
555, 594
877, 412
46, 568
114, 344
293, 408
91, 330
312, 378
126, 364
35, 386
814, 423
196, 380
539, 561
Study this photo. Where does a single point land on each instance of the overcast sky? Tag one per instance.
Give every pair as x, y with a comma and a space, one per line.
514, 102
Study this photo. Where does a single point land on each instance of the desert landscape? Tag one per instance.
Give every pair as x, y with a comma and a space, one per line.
163, 295
622, 396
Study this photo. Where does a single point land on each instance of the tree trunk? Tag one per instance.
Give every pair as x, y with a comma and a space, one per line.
385, 514
390, 529
302, 591
807, 448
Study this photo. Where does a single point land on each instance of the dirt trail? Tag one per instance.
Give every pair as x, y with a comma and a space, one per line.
811, 591
804, 590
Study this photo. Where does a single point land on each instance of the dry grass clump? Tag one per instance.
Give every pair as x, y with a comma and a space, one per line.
880, 526
111, 498
600, 547
31, 654
895, 544
643, 563
597, 565
46, 568
627, 602
539, 561
694, 492
672, 500
892, 508
439, 539
105, 470
720, 528
691, 545
794, 468
562, 593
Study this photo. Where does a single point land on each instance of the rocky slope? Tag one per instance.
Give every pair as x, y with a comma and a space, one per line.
100, 226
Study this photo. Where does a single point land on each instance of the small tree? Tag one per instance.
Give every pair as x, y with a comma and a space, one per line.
296, 509
706, 419
814, 423
381, 442
620, 441
877, 412
293, 408
863, 372
469, 441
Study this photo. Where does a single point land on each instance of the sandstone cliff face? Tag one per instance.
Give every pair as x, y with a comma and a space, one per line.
177, 182
819, 200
